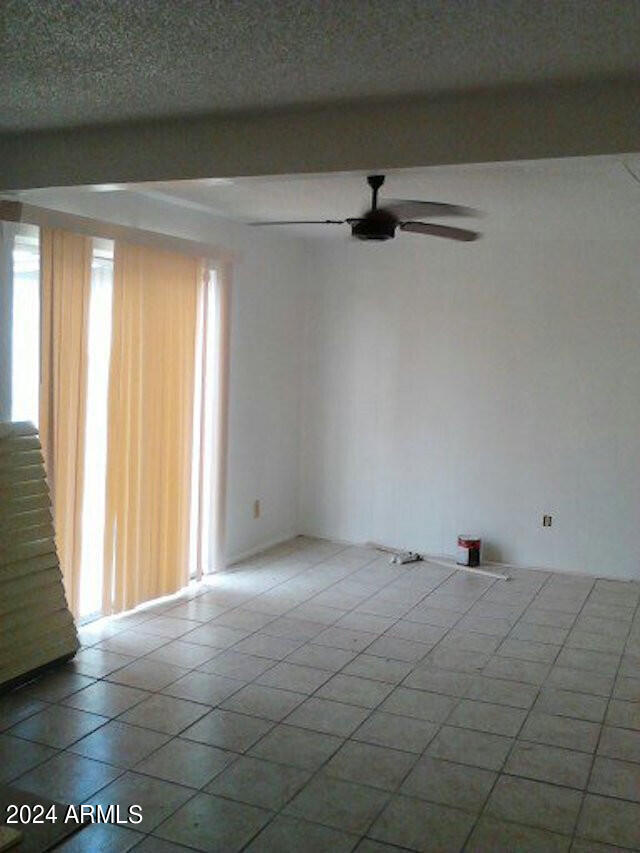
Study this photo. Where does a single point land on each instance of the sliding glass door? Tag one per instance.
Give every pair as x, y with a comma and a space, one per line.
25, 333
176, 363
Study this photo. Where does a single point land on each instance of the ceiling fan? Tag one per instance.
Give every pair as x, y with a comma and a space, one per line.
380, 223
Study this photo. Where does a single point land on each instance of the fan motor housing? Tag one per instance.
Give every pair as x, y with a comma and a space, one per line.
376, 225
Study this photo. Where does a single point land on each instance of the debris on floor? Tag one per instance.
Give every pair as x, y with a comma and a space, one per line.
406, 557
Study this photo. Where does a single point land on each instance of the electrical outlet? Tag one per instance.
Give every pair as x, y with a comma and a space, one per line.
256, 508
547, 520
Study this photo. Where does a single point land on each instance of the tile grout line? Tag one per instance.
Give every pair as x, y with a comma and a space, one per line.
603, 724
394, 686
317, 772
500, 772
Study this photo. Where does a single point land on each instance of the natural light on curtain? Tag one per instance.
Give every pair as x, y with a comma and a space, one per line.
167, 348
99, 351
66, 286
149, 424
25, 386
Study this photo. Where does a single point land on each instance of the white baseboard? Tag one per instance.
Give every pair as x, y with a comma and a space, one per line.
449, 558
258, 549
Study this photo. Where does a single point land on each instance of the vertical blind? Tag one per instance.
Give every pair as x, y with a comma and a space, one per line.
149, 424
149, 421
65, 282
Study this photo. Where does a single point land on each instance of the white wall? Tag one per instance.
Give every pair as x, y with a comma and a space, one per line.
270, 279
410, 391
454, 388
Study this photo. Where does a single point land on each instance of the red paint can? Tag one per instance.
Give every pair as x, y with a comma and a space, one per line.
468, 551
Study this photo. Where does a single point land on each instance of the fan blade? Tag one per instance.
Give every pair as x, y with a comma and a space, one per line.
405, 208
435, 230
303, 222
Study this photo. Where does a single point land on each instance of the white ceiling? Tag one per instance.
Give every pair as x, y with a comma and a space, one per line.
65, 63
588, 196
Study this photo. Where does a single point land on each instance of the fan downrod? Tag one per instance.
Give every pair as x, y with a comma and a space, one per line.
375, 182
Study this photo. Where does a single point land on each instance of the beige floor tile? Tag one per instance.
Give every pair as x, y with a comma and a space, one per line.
339, 804
549, 764
68, 778
440, 681
157, 798
535, 804
516, 694
620, 743
291, 835
420, 704
236, 665
115, 839
610, 821
377, 669
55, 685
625, 715
17, 706
290, 676
298, 747
167, 626
147, 674
479, 749
422, 826
615, 779
17, 756
182, 654
206, 688
321, 657
449, 784
106, 698
396, 732
324, 715
370, 765
259, 783
496, 835
164, 714
119, 744
404, 691
58, 726
213, 824
186, 762
262, 701
561, 731
513, 669
487, 717
566, 703
228, 730
353, 690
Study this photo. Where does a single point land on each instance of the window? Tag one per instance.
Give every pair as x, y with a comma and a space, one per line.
25, 338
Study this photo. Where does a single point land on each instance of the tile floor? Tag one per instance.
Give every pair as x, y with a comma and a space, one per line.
316, 698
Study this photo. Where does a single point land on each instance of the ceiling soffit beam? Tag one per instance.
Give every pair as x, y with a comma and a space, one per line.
16, 211
485, 126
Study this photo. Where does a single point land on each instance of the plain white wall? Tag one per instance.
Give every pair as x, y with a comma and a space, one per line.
270, 280
470, 388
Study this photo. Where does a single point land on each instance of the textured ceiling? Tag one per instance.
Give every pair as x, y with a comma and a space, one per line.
67, 63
